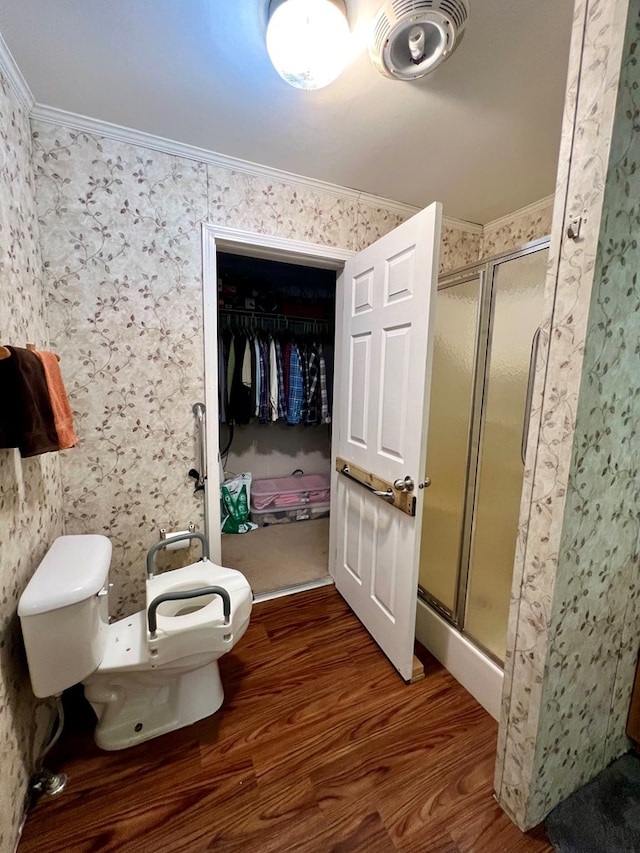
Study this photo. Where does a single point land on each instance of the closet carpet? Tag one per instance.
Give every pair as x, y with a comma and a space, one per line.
319, 747
280, 555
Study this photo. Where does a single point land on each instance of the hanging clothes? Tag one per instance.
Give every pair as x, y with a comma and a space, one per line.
272, 377
286, 367
325, 417
256, 376
311, 413
282, 390
263, 410
296, 387
246, 363
240, 395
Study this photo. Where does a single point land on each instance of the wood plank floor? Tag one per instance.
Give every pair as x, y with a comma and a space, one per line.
319, 747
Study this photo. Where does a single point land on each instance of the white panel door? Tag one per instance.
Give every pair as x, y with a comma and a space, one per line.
383, 366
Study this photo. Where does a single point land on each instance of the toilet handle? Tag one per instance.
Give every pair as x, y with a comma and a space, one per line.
185, 594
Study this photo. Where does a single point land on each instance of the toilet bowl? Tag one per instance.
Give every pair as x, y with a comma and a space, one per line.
144, 675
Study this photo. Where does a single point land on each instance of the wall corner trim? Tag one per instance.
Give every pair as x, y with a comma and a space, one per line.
9, 67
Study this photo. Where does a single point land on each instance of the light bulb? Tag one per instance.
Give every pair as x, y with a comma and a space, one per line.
416, 44
308, 41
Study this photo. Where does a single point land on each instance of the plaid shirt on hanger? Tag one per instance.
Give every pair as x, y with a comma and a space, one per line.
296, 387
282, 394
311, 415
304, 362
325, 417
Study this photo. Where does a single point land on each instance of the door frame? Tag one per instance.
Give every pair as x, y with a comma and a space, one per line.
251, 244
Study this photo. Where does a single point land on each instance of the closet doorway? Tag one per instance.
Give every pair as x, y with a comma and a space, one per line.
278, 452
234, 250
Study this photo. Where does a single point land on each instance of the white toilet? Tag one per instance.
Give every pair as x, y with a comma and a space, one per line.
145, 675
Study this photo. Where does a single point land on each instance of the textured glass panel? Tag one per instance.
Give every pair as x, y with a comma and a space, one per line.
518, 294
450, 408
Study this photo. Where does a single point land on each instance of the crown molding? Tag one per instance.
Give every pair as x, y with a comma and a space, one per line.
74, 121
9, 67
52, 115
463, 225
528, 210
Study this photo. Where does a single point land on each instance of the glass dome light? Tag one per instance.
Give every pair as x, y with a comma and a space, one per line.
308, 41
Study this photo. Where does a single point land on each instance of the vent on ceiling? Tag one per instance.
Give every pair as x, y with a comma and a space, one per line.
412, 37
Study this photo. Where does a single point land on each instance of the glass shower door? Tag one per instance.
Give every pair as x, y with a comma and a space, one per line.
452, 386
517, 297
487, 317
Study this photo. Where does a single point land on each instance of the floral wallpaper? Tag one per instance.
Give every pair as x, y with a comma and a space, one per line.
573, 624
596, 591
522, 226
30, 489
121, 244
458, 247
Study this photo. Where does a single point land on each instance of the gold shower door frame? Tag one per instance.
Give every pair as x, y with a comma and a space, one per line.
485, 273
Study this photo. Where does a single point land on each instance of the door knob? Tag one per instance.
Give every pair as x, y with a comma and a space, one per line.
425, 483
403, 484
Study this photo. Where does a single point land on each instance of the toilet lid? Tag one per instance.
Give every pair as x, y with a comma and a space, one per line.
73, 569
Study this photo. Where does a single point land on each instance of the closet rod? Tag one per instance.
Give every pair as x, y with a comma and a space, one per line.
262, 315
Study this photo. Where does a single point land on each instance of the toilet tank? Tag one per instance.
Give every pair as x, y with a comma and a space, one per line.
64, 613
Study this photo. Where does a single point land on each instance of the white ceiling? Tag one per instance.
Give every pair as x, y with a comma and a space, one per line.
481, 134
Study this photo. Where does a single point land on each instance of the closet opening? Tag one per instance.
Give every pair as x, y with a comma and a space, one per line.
276, 323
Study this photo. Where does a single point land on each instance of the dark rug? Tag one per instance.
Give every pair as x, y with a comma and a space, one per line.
602, 817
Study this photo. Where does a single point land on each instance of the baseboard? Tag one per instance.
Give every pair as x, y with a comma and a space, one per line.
469, 666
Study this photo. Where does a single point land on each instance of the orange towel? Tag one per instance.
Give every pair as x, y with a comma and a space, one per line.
62, 414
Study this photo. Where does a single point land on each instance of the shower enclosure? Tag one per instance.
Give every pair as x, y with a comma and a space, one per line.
487, 320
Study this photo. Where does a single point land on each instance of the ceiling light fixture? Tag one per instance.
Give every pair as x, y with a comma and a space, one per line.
308, 41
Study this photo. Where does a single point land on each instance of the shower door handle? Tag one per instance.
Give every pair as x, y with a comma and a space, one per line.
529, 398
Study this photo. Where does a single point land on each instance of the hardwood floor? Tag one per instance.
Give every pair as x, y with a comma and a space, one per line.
319, 747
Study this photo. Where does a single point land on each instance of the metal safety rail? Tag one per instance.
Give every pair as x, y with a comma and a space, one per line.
398, 494
184, 595
200, 476
179, 537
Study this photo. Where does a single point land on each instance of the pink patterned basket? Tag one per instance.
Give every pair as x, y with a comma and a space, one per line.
290, 492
